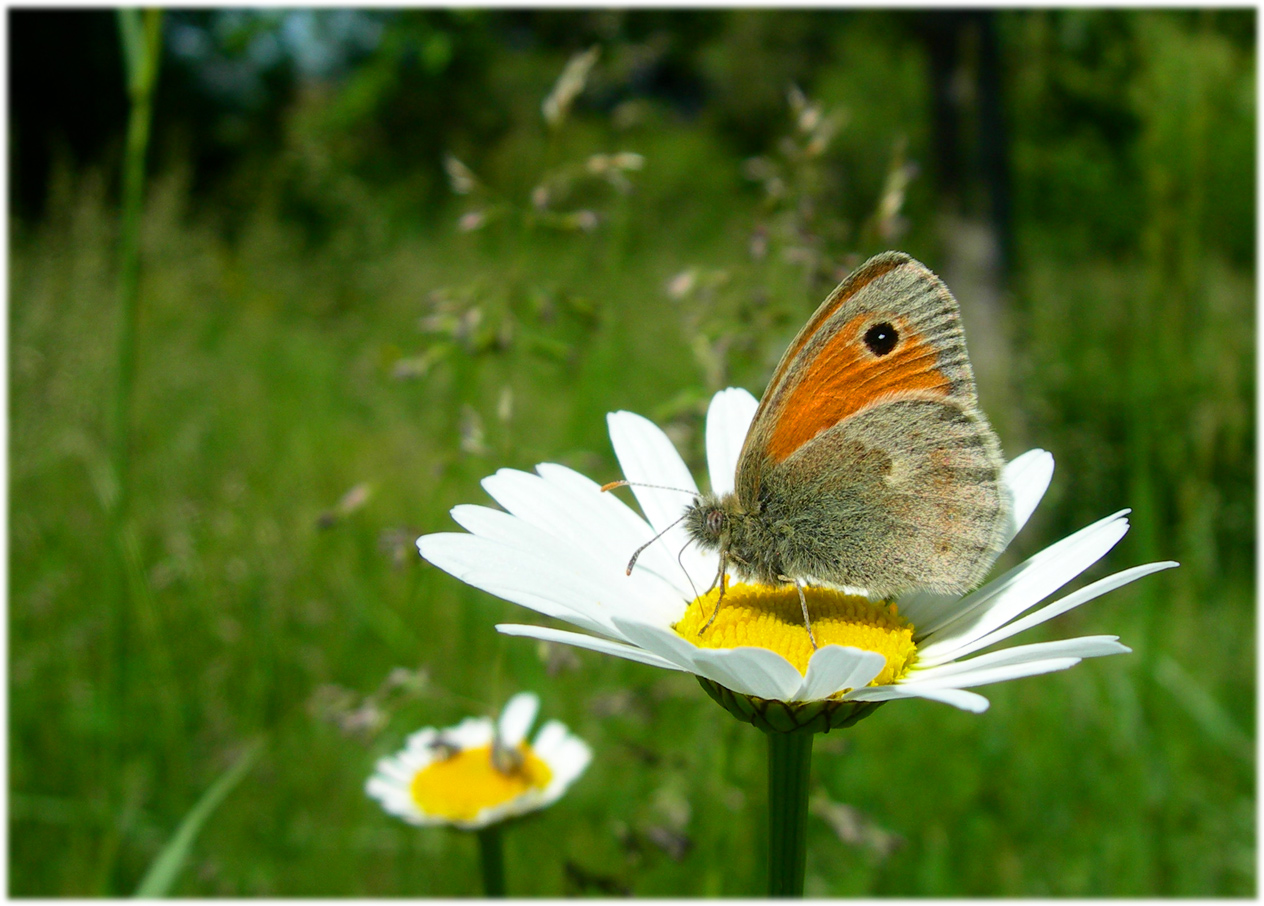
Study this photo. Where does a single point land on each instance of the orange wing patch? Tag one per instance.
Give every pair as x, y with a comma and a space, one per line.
846, 378
855, 283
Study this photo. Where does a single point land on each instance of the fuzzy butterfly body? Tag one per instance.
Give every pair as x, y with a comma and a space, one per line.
868, 463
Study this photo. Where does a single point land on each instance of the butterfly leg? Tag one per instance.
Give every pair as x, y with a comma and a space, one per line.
719, 577
803, 602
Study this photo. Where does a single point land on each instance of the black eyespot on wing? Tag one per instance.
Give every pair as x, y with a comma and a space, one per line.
881, 338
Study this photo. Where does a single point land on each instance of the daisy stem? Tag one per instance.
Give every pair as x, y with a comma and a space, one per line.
491, 857
789, 764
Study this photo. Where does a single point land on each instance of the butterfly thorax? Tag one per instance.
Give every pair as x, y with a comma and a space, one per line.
742, 535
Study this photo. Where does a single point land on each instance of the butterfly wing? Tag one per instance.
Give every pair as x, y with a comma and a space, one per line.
868, 450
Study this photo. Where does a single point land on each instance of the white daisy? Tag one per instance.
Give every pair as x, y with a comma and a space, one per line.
561, 548
479, 773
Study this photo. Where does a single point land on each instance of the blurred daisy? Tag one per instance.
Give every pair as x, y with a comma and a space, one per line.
562, 549
479, 773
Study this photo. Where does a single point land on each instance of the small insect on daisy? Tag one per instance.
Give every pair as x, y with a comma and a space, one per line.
479, 772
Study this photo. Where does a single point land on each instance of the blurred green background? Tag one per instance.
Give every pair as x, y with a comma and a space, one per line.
372, 272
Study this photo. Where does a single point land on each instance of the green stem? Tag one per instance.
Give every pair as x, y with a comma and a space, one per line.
491, 857
789, 764
142, 42
141, 35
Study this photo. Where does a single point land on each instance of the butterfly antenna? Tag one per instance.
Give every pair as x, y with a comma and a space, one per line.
640, 484
637, 552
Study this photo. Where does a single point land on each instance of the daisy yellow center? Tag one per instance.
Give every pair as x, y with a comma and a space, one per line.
766, 617
460, 787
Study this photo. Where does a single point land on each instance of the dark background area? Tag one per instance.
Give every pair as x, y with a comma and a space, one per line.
388, 93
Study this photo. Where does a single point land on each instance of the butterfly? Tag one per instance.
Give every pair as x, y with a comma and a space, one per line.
868, 463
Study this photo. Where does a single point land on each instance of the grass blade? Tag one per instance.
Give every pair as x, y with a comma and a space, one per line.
164, 869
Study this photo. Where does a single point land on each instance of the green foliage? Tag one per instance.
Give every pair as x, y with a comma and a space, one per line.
430, 67
307, 402
1108, 105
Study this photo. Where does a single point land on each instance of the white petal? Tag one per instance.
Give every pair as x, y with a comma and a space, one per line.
1057, 608
576, 751
595, 529
1026, 478
1082, 647
623, 527
558, 515
568, 756
643, 591
728, 419
421, 820
471, 733
748, 670
589, 642
388, 775
662, 641
569, 761
549, 739
391, 771
394, 800
1023, 586
405, 764
516, 718
573, 758
751, 670
987, 675
837, 667
532, 499
647, 455
958, 698
527, 580
390, 798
